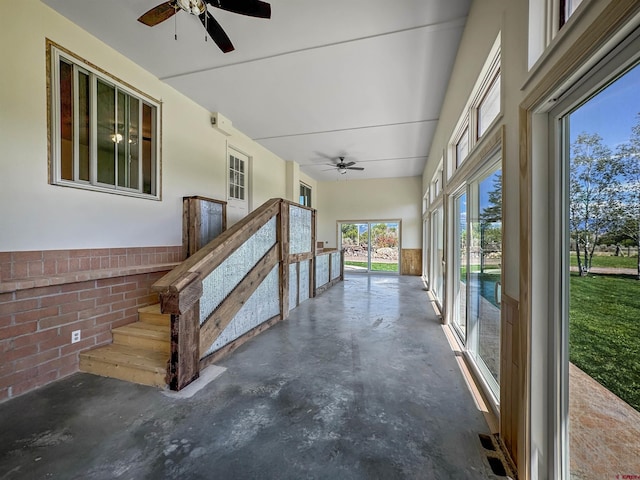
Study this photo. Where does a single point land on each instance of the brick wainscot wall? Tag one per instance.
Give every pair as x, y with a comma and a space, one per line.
46, 295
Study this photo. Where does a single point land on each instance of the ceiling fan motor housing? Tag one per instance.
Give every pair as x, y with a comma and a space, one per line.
194, 7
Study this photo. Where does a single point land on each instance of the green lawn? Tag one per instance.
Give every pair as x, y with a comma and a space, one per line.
609, 261
375, 267
604, 332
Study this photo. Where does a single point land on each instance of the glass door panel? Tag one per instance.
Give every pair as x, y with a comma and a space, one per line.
485, 259
355, 243
460, 266
384, 247
437, 254
371, 246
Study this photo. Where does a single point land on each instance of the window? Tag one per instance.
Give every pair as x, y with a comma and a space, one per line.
104, 135
480, 113
489, 106
462, 146
305, 195
566, 9
236, 177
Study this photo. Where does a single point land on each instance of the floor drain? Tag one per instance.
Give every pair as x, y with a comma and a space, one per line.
497, 461
496, 466
487, 442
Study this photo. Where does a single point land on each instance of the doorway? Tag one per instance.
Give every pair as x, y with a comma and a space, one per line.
238, 167
371, 246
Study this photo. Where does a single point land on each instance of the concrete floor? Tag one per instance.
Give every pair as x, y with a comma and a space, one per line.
359, 383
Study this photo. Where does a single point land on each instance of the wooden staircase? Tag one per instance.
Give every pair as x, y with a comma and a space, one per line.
139, 353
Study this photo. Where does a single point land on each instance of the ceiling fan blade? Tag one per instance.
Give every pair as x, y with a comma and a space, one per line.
349, 164
158, 14
253, 8
354, 168
216, 32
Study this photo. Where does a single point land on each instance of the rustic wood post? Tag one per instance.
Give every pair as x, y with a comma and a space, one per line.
312, 264
184, 306
283, 239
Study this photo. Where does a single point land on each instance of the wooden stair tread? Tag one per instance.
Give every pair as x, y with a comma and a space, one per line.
147, 330
151, 314
126, 356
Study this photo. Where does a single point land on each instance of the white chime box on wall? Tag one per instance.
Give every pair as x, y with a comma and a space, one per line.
221, 123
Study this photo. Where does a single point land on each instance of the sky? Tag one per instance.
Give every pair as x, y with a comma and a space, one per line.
612, 112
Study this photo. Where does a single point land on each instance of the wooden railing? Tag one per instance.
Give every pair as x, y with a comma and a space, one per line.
239, 284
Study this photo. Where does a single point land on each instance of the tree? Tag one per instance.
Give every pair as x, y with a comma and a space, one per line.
626, 204
349, 234
592, 172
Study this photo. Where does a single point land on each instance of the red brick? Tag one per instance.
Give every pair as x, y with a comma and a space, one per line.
19, 353
4, 394
82, 326
66, 371
62, 266
126, 287
56, 340
7, 297
109, 318
94, 312
83, 344
35, 315
123, 305
57, 300
55, 254
104, 338
78, 286
18, 306
38, 292
17, 330
57, 363
5, 321
107, 282
80, 253
94, 293
85, 264
35, 360
118, 251
36, 269
32, 338
29, 385
20, 270
6, 257
57, 321
74, 265
18, 377
110, 299
77, 306
49, 267
140, 292
27, 256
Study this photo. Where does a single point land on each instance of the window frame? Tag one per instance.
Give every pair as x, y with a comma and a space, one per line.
468, 122
305, 192
55, 54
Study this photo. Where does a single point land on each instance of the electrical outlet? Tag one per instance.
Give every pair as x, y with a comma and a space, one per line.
75, 336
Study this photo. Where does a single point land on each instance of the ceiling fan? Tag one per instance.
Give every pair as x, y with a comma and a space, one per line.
343, 167
166, 10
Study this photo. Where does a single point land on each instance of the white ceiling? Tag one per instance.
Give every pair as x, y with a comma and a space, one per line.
363, 79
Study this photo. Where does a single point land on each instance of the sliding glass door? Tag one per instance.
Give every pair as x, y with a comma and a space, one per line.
372, 246
477, 258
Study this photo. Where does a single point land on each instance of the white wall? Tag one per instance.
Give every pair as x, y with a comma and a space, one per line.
375, 199
35, 215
